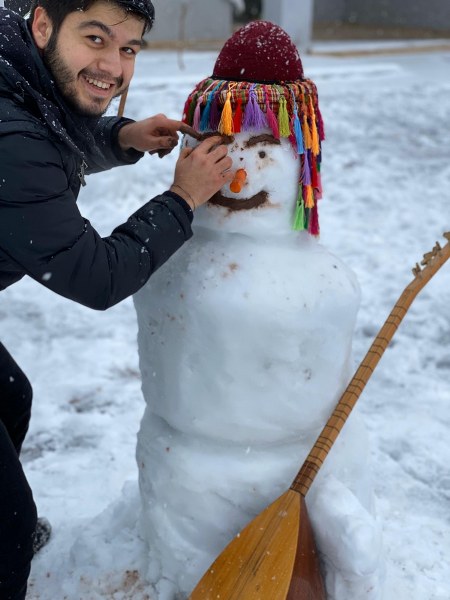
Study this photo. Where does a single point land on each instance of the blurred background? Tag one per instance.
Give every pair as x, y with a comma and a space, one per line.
207, 23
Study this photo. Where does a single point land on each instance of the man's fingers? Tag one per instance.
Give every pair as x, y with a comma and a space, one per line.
175, 125
210, 143
166, 142
186, 152
162, 123
228, 173
166, 132
219, 153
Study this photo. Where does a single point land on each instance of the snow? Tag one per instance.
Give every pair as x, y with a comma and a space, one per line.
386, 177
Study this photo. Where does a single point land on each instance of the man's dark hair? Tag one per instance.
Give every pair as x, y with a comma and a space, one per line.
58, 10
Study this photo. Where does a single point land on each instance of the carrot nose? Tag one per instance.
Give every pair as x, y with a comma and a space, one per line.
238, 182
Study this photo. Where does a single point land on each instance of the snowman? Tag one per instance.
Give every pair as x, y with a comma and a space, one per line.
245, 341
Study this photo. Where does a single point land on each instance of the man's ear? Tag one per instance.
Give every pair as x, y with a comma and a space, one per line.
41, 27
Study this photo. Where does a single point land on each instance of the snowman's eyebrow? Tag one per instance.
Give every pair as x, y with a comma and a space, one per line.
265, 138
226, 139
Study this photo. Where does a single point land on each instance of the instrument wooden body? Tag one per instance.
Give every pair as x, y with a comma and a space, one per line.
276, 553
275, 557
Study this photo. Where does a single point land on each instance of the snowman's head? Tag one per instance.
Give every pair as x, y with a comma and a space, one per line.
262, 196
260, 101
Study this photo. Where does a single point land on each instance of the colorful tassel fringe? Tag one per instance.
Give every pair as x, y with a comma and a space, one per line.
254, 117
289, 110
299, 217
283, 118
226, 120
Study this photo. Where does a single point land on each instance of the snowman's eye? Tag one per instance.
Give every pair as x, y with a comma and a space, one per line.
262, 154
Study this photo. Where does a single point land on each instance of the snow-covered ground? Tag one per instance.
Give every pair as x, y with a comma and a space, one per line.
386, 175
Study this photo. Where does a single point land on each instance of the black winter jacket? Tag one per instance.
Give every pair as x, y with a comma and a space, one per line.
45, 150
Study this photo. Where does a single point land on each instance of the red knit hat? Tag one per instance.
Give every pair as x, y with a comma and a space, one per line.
258, 83
260, 51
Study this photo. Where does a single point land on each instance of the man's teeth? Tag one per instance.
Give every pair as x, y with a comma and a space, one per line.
97, 83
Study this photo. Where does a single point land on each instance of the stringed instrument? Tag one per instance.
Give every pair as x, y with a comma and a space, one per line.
275, 557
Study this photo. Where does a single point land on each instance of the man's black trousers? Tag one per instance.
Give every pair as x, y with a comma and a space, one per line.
17, 508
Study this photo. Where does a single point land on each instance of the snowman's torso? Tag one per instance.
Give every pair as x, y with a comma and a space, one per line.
240, 337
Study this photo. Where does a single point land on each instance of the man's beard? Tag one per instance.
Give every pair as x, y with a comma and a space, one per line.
66, 82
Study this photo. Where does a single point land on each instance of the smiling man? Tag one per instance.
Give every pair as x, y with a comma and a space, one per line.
103, 33
59, 71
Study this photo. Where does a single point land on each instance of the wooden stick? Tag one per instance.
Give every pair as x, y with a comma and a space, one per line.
432, 262
188, 130
123, 101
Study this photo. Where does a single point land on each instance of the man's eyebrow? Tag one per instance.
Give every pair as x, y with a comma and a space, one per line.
109, 32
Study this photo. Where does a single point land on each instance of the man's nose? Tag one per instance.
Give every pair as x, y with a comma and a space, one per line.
110, 62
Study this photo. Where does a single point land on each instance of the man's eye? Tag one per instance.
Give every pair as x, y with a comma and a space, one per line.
129, 51
95, 38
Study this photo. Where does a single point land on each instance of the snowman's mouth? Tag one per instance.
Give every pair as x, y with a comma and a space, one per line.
233, 204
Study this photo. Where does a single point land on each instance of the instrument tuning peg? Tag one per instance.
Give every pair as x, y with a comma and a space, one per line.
427, 258
417, 270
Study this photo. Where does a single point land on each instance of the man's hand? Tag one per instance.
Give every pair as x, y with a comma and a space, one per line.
202, 171
155, 134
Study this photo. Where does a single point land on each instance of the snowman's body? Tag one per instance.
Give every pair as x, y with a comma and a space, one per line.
245, 348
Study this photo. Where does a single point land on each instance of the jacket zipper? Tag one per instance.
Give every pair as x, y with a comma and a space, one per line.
83, 168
